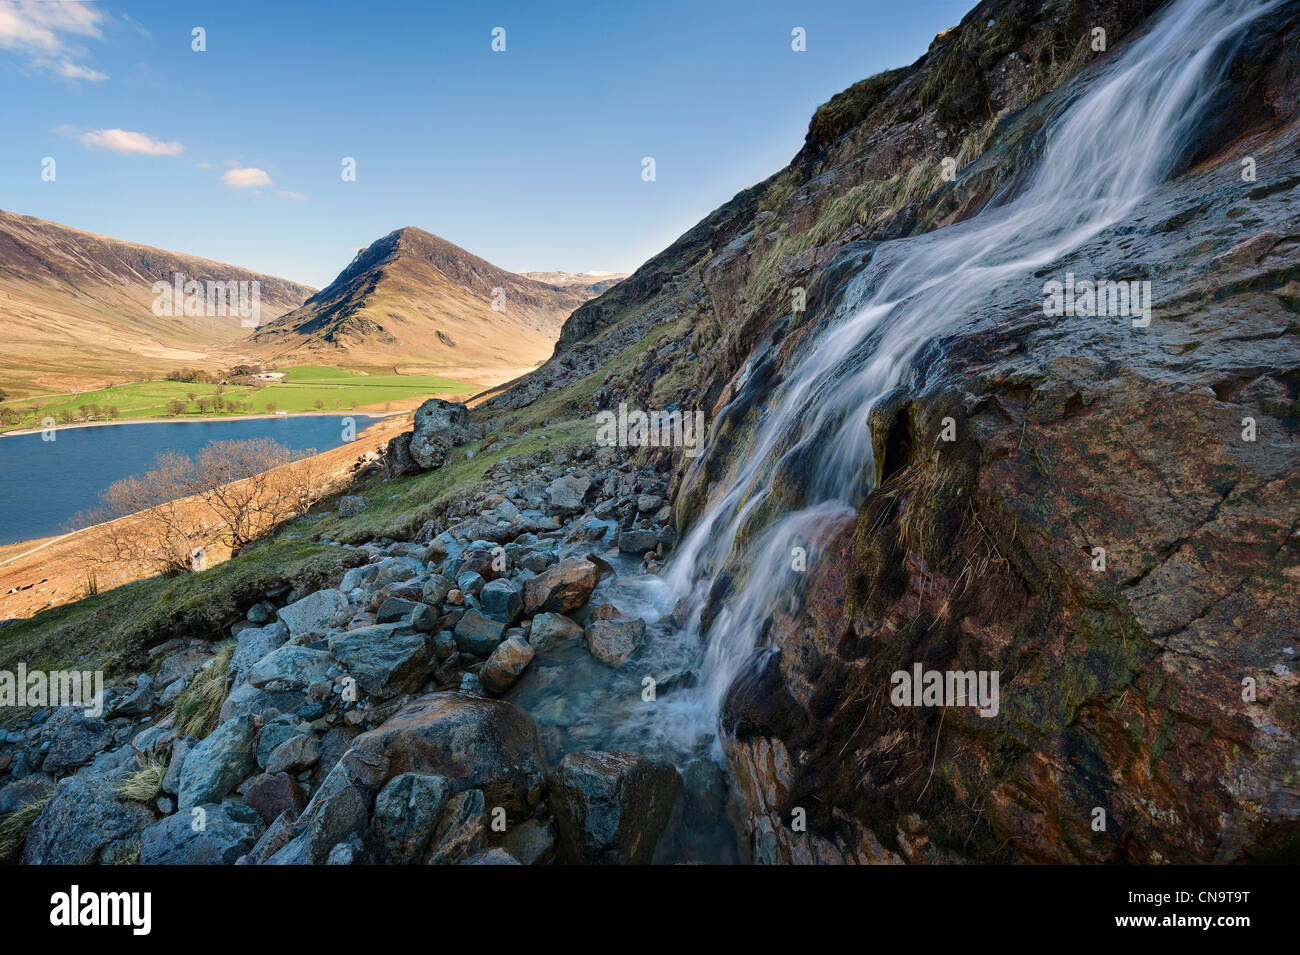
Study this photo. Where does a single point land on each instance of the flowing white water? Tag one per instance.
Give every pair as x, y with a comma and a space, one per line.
1112, 145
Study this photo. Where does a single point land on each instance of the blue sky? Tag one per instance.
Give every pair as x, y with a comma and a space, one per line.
531, 158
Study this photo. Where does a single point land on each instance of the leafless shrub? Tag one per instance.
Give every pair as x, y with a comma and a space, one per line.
230, 493
248, 488
140, 519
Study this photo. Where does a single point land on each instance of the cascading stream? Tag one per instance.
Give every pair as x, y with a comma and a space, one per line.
1113, 144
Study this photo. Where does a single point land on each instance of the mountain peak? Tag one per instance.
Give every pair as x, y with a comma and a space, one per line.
415, 299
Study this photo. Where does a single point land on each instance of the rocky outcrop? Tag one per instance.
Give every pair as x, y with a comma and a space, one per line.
314, 615
228, 831
439, 427
86, 821
385, 659
340, 702
215, 766
406, 812
473, 743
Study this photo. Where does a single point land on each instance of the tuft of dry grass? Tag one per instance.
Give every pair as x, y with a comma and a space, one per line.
145, 783
199, 704
14, 825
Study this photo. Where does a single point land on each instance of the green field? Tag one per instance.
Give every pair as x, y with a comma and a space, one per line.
309, 388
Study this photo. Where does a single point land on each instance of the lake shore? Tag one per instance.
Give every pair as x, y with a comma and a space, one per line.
46, 571
201, 420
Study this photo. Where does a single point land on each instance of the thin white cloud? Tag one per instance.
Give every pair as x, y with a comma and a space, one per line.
250, 178
126, 141
75, 71
135, 25
46, 33
286, 194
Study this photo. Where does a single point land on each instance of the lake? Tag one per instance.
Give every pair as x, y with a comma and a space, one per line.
44, 484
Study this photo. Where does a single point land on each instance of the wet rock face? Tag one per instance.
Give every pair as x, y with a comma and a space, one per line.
1112, 530
551, 630
613, 641
506, 664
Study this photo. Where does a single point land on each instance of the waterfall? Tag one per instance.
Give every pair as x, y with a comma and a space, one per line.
1113, 143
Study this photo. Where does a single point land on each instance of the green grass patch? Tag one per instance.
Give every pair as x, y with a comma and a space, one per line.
317, 372
139, 399
308, 388
316, 388
399, 507
111, 631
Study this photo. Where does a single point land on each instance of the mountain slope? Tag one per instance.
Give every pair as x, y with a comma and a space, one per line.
77, 308
415, 300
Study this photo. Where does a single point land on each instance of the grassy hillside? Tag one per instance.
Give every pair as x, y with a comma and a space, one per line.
112, 630
78, 308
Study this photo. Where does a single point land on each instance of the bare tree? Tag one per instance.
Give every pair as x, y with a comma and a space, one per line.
141, 520
249, 488
231, 493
